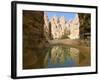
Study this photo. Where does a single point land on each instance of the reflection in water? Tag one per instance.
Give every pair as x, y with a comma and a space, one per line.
57, 56
74, 54
61, 56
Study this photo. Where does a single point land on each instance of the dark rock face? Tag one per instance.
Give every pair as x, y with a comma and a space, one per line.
85, 25
33, 39
33, 23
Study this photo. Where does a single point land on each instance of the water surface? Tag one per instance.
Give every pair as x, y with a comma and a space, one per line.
56, 57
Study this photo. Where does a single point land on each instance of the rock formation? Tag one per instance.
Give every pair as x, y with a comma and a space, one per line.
85, 25
33, 39
60, 28
54, 28
46, 26
74, 28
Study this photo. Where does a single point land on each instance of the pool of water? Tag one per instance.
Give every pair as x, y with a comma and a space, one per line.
60, 56
56, 57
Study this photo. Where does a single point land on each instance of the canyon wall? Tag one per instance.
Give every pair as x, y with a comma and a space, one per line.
33, 39
85, 25
59, 28
74, 28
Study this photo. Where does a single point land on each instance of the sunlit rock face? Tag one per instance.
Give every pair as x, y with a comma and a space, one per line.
54, 28
46, 27
59, 28
74, 28
62, 24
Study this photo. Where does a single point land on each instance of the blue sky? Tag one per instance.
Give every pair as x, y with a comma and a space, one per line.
67, 15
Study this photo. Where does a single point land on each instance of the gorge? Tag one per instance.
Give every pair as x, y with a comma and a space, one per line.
46, 43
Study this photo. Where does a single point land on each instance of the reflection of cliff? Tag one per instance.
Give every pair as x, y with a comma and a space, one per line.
57, 53
61, 53
60, 28
74, 53
64, 56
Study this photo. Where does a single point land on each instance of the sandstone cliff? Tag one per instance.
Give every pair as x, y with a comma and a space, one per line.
59, 28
